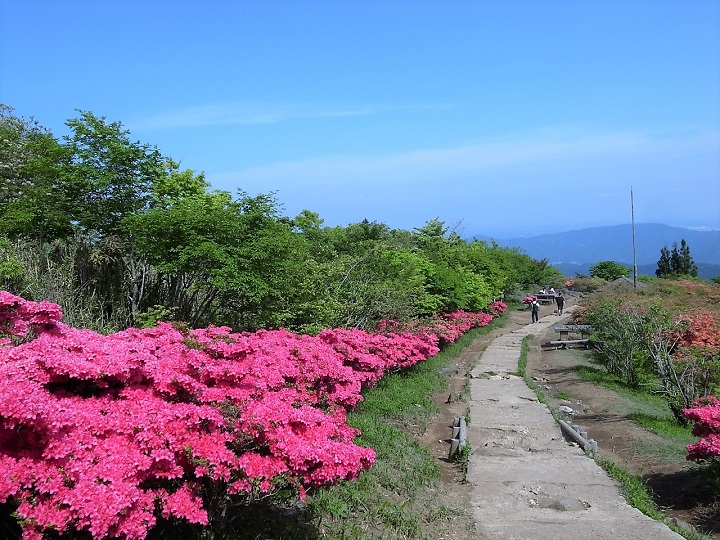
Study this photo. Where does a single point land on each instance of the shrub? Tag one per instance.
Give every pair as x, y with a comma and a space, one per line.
105, 434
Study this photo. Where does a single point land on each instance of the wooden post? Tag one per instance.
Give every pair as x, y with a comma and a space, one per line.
454, 445
632, 214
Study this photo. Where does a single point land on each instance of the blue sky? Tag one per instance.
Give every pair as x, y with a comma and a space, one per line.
498, 117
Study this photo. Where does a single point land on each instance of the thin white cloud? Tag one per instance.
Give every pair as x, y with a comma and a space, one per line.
436, 164
248, 114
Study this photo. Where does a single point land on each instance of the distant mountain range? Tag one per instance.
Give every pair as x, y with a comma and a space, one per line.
573, 252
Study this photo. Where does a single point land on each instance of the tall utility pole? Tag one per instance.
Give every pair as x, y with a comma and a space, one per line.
632, 214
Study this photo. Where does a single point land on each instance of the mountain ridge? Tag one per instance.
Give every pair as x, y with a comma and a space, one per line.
580, 248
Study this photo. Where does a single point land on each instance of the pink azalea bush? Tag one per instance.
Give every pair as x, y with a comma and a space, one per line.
498, 308
702, 333
106, 433
706, 417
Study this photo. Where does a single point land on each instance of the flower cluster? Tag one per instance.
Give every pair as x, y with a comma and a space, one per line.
105, 433
20, 318
706, 416
445, 328
702, 329
498, 308
528, 299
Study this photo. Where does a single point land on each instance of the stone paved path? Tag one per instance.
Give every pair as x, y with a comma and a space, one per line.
527, 481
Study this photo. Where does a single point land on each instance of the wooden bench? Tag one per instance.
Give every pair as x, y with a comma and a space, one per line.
545, 298
566, 329
563, 343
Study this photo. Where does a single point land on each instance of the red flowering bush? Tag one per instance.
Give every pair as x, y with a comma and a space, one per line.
528, 299
105, 433
701, 329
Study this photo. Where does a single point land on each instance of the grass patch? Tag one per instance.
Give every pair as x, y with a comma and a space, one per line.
671, 448
522, 370
601, 377
522, 361
632, 488
636, 494
641, 403
562, 395
663, 426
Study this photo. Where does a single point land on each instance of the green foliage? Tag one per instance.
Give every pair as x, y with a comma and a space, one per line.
153, 315
587, 284
109, 176
620, 338
609, 270
32, 200
676, 263
224, 261
124, 231
636, 339
12, 269
78, 276
664, 264
172, 185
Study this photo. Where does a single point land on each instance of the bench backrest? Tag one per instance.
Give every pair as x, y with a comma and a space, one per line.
573, 328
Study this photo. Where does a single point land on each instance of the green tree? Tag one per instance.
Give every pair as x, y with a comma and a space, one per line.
619, 340
677, 262
32, 201
224, 261
609, 270
639, 344
687, 266
173, 185
109, 177
664, 264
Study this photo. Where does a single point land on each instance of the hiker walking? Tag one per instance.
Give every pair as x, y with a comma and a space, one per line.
534, 310
560, 301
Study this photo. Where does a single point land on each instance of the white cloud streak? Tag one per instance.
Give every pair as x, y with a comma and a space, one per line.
249, 114
536, 182
434, 164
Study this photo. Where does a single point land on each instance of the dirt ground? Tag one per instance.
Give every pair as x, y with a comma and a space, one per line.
673, 483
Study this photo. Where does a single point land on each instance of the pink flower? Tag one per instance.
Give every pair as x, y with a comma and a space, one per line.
104, 433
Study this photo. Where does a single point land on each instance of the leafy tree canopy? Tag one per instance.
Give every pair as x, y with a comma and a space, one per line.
609, 270
110, 177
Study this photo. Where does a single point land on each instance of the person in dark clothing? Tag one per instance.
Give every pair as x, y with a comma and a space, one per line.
560, 301
534, 310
